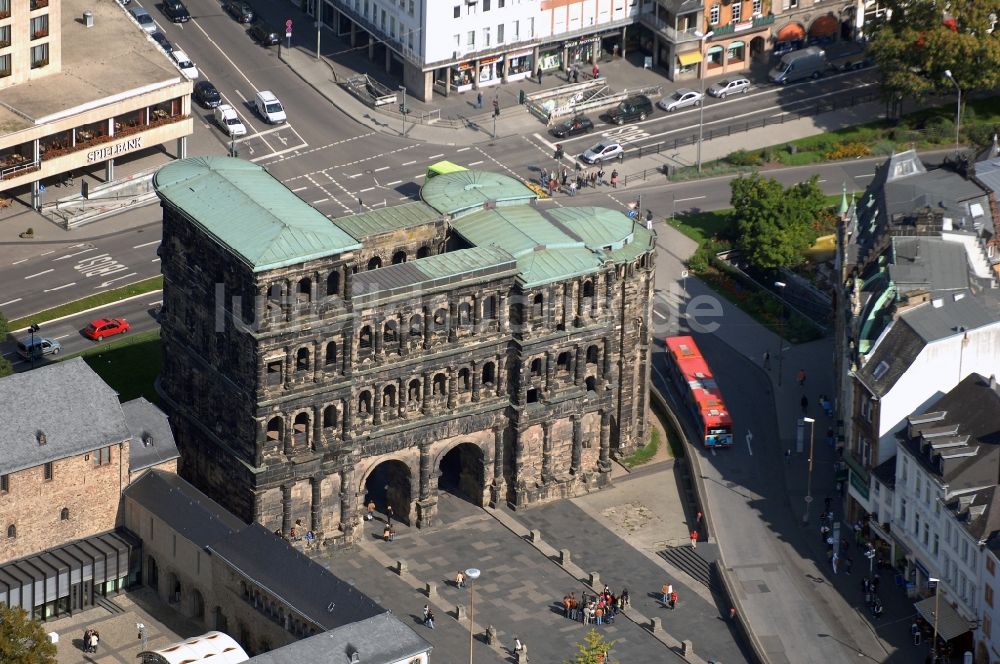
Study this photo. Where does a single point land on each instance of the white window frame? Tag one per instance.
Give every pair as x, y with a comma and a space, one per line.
714, 14
737, 11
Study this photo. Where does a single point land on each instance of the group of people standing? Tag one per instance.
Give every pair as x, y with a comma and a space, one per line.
91, 637
564, 180
595, 609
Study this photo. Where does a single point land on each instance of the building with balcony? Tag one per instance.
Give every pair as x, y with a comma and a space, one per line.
675, 28
468, 342
81, 86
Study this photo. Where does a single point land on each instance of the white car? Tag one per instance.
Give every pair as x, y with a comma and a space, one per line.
680, 99
729, 86
184, 64
602, 152
229, 121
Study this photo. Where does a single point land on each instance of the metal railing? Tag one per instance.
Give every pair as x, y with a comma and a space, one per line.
674, 35
14, 171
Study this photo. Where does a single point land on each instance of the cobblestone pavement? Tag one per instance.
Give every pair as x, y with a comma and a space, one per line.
519, 591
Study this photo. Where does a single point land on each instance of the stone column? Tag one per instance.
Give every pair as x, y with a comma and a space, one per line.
549, 371
575, 461
546, 450
477, 306
475, 76
317, 437
609, 354
579, 364
377, 394
347, 353
404, 388
477, 372
452, 321
318, 360
286, 508
348, 419
289, 368
346, 506
317, 505
348, 279
428, 394
428, 328
452, 381
604, 462
502, 312
498, 488
501, 377
378, 340
287, 433
425, 472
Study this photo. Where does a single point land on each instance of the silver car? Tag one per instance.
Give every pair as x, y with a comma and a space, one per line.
144, 19
682, 98
602, 152
729, 86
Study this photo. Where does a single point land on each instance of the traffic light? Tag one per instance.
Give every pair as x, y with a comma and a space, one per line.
496, 108
521, 97
403, 109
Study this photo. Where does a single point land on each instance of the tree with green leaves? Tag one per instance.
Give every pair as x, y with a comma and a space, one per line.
23, 641
774, 225
919, 40
593, 650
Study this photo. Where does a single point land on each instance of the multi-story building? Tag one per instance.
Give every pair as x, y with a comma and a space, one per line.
69, 449
469, 341
81, 85
947, 510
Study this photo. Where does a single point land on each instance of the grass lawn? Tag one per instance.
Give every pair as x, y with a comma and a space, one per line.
645, 453
701, 226
129, 365
107, 297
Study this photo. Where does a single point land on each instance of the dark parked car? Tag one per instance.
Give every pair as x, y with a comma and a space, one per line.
630, 110
162, 40
263, 35
782, 47
577, 125
206, 94
239, 10
176, 11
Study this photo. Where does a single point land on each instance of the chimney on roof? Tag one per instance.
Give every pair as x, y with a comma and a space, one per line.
993, 382
40, 436
355, 657
147, 439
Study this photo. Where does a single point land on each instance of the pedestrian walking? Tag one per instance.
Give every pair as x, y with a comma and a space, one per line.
802, 377
460, 580
804, 402
552, 185
595, 72
666, 589
732, 613
479, 100
576, 74
834, 561
385, 533
624, 597
614, 179
371, 510
673, 600
392, 533
427, 611
388, 515
572, 188
694, 539
767, 360
788, 457
848, 564
429, 619
518, 646
600, 176
829, 437
539, 74
697, 519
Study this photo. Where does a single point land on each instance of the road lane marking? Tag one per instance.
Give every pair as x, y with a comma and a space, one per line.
436, 156
364, 190
155, 260
62, 336
392, 184
76, 254
278, 153
356, 175
148, 244
322, 200
111, 281
384, 168
32, 276
462, 149
49, 290
475, 163
153, 304
409, 163
4, 304
692, 198
299, 189
23, 260
658, 314
46, 253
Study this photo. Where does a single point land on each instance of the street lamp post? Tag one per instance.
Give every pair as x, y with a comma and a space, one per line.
780, 285
402, 108
937, 599
958, 112
34, 328
701, 103
319, 24
471, 575
809, 476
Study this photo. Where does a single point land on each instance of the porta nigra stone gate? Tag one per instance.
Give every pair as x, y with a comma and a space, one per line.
475, 341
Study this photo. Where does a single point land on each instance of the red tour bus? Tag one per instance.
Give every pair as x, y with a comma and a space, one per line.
692, 375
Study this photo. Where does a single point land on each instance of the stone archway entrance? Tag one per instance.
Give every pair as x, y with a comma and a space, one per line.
463, 473
389, 484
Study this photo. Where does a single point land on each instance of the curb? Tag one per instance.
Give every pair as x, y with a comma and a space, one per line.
100, 306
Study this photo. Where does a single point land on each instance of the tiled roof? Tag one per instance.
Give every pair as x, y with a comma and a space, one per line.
152, 440
246, 210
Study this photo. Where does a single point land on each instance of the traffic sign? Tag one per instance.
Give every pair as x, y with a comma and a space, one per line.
288, 24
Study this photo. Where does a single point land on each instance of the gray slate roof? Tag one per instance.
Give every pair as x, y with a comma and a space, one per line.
928, 263
184, 508
67, 401
381, 639
152, 440
957, 313
898, 348
308, 587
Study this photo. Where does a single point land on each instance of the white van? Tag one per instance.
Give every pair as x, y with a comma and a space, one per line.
269, 108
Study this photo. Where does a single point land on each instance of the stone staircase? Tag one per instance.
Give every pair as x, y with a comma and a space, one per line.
687, 559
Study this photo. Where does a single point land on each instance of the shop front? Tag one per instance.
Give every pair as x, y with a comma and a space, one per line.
519, 65
490, 70
687, 65
461, 76
581, 51
550, 58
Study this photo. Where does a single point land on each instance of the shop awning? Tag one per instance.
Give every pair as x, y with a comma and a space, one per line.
689, 58
949, 623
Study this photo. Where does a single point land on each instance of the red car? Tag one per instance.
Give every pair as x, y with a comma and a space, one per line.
106, 327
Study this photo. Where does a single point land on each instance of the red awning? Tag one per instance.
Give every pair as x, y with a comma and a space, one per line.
791, 32
824, 26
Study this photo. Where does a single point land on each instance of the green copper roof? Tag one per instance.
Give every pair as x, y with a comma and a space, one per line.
387, 219
598, 228
425, 274
459, 193
545, 266
518, 229
249, 212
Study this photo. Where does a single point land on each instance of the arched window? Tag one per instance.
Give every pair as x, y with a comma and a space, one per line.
537, 307
465, 314
330, 354
389, 396
330, 417
304, 290
536, 367
423, 252
591, 384
399, 257
416, 325
592, 355
365, 337
489, 373
390, 332
439, 384
302, 359
562, 362
64, 514
413, 391
588, 293
440, 320
274, 296
275, 427
11, 531
375, 263
333, 283
490, 308
300, 429
365, 403
464, 378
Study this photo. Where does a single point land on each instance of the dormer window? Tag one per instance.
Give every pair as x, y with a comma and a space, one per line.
40, 437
